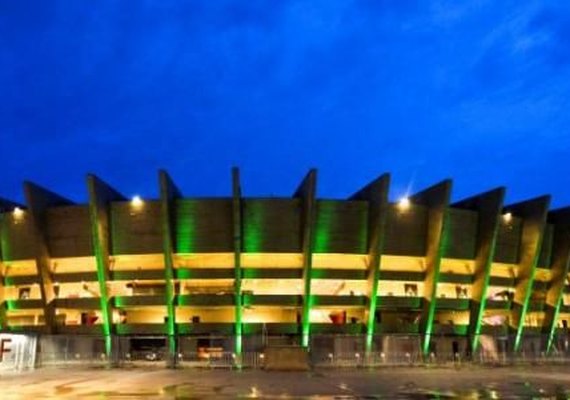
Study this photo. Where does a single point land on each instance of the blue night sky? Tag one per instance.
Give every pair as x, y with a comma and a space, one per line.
473, 90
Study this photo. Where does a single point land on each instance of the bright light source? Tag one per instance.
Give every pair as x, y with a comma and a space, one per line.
18, 212
136, 201
507, 217
404, 203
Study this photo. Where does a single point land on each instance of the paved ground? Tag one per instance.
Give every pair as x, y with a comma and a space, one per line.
393, 383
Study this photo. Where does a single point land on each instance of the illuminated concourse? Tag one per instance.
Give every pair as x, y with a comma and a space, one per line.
198, 277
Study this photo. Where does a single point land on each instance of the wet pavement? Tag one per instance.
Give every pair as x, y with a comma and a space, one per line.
532, 382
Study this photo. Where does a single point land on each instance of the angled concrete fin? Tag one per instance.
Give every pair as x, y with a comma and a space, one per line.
100, 197
376, 194
168, 195
307, 193
488, 206
436, 198
560, 267
534, 213
237, 233
39, 200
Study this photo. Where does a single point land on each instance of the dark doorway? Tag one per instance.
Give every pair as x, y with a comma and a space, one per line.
148, 348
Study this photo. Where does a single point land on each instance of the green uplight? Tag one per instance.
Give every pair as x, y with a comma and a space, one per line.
11, 305
528, 290
436, 276
237, 235
371, 320
331, 220
167, 247
100, 259
4, 244
185, 226
486, 282
306, 327
120, 301
324, 223
555, 320
253, 226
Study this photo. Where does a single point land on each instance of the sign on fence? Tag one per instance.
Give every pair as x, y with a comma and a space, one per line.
17, 352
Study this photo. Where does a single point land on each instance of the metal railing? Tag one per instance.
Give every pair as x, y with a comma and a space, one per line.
332, 351
226, 360
256, 360
68, 358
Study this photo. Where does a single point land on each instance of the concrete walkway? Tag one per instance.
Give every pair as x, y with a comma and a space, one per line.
394, 383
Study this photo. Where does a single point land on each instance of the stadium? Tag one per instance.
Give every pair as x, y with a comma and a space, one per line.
177, 279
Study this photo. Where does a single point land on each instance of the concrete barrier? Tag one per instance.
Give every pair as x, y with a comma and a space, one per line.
289, 358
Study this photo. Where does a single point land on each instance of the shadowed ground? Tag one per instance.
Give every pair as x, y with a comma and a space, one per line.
406, 383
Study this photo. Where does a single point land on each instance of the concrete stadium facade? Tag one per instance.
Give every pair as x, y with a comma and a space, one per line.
362, 274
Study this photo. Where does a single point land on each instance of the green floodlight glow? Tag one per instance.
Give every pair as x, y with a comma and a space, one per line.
311, 215
167, 201
371, 320
552, 328
559, 303
103, 299
186, 226
494, 211
253, 226
5, 249
528, 292
237, 228
329, 220
324, 222
374, 275
100, 260
307, 302
486, 283
168, 275
306, 328
432, 303
436, 277
308, 298
238, 316
11, 305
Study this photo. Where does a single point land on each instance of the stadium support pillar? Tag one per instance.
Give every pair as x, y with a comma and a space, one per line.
38, 201
436, 199
488, 207
560, 267
100, 196
237, 229
168, 195
534, 214
376, 194
307, 192
6, 207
